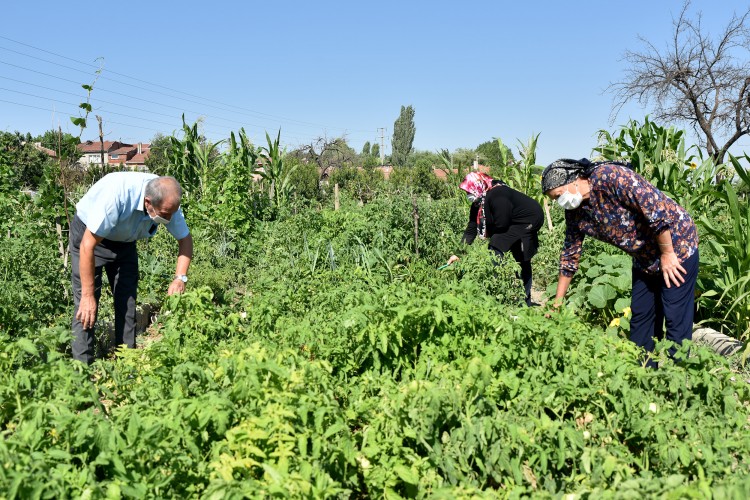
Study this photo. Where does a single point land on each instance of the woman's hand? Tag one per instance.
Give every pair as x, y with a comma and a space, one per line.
672, 269
452, 259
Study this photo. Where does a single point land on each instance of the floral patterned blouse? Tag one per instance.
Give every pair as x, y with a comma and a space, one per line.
627, 211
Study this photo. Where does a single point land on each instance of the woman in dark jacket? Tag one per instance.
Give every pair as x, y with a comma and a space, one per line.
509, 219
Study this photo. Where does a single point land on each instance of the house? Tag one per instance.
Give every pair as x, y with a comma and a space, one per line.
386, 170
91, 152
121, 154
138, 160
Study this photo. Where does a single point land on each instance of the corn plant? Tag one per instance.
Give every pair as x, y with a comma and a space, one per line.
277, 173
192, 160
231, 191
454, 174
725, 277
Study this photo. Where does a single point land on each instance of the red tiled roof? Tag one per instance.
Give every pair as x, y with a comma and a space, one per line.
123, 150
441, 173
94, 147
47, 151
138, 159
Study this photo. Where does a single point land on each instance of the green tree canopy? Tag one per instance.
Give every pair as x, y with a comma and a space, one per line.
375, 150
55, 140
21, 163
158, 157
366, 149
403, 135
491, 154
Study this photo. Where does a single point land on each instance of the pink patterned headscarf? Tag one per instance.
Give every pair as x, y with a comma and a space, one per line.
476, 183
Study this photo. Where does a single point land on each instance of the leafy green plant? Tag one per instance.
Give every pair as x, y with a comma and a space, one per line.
276, 172
601, 290
522, 175
660, 156
725, 275
191, 160
320, 357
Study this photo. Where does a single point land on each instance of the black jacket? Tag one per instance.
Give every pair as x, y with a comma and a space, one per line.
512, 221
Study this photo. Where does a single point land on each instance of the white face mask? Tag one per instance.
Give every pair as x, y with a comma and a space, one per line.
471, 197
158, 219
570, 201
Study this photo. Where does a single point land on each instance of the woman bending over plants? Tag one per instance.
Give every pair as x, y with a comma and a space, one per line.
612, 203
509, 219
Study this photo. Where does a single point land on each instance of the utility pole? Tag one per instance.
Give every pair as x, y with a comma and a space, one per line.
382, 146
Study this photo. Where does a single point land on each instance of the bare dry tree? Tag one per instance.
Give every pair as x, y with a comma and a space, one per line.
327, 154
697, 79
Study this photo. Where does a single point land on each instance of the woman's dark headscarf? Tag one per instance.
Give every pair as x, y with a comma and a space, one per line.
564, 171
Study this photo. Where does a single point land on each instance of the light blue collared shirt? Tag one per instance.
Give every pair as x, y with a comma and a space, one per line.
113, 209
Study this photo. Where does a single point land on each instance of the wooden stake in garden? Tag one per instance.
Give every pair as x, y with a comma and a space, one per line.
101, 142
415, 213
546, 212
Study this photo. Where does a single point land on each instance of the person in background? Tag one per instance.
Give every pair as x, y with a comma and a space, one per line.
614, 204
118, 210
509, 219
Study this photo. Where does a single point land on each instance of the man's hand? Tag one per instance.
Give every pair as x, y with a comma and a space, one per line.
177, 286
87, 311
452, 259
672, 269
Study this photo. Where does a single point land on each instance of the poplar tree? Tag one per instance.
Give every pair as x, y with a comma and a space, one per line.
403, 135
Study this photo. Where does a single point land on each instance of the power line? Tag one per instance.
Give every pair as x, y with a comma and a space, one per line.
231, 106
136, 127
142, 99
75, 105
110, 112
130, 96
96, 99
182, 110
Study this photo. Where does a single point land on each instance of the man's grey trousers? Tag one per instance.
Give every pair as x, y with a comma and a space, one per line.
120, 261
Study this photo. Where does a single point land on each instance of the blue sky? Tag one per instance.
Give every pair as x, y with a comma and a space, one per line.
472, 70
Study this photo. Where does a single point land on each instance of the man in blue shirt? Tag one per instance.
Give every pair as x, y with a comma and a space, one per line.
120, 209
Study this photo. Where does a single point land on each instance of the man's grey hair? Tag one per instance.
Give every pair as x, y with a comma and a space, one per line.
162, 187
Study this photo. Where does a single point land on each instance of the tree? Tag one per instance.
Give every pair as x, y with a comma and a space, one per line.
327, 154
696, 79
430, 157
375, 150
158, 155
491, 154
366, 149
21, 163
403, 135
464, 158
55, 140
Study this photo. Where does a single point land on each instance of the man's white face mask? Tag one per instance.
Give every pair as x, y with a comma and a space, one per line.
570, 201
158, 219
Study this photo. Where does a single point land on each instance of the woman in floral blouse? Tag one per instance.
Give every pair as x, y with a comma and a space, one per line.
612, 203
